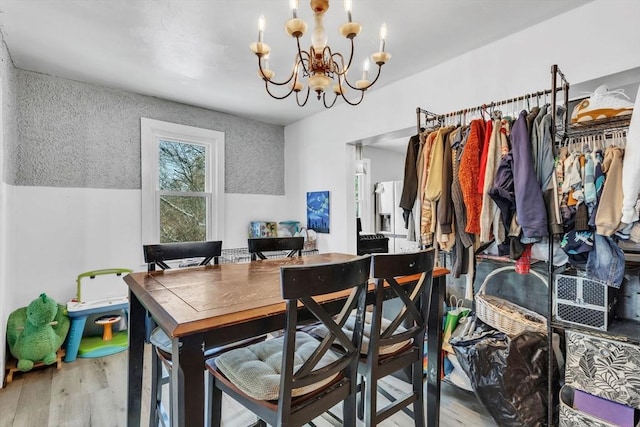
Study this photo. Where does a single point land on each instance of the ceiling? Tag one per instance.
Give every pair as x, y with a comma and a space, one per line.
197, 51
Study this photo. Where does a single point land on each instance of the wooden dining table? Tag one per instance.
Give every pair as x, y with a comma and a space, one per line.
205, 307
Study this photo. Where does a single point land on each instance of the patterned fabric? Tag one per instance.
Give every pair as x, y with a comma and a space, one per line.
255, 369
602, 367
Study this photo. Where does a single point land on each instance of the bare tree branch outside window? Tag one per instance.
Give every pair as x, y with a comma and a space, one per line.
182, 169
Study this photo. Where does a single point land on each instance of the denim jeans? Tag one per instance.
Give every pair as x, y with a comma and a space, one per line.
606, 261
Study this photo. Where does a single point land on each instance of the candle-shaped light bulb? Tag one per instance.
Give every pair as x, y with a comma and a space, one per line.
365, 69
261, 25
293, 5
347, 8
383, 36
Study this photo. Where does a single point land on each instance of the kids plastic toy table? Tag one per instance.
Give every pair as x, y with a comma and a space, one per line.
79, 309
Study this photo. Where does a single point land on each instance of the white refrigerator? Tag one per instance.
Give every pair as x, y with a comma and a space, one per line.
389, 219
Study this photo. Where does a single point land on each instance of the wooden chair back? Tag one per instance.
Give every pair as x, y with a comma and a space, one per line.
299, 285
259, 245
413, 314
403, 338
159, 254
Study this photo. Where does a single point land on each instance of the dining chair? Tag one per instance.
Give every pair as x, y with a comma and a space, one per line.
259, 245
396, 344
292, 379
158, 255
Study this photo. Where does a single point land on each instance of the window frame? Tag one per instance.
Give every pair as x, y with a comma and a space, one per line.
151, 133
363, 198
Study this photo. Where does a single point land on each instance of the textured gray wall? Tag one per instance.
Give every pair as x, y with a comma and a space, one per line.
8, 119
74, 134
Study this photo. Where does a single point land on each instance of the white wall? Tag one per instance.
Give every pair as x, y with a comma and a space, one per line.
8, 133
386, 165
594, 40
67, 231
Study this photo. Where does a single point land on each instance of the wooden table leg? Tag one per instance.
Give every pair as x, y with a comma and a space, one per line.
434, 347
188, 391
137, 315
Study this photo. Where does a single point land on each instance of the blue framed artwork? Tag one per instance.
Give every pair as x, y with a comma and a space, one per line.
318, 211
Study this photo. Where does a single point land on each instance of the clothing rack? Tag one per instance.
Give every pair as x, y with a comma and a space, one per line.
558, 83
428, 116
598, 127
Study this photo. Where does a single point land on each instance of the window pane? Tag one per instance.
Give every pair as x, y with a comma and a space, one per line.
182, 166
183, 219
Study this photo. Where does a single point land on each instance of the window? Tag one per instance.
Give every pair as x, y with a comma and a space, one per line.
182, 183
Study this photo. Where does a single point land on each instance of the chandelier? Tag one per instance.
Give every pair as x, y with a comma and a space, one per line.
319, 67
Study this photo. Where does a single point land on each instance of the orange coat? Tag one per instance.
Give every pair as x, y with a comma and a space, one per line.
469, 175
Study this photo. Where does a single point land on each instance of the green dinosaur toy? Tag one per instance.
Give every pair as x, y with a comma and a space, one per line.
36, 332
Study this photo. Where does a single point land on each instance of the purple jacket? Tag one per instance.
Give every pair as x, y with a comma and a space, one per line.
530, 208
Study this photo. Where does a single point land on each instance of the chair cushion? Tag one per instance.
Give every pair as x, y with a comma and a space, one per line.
160, 339
255, 369
321, 331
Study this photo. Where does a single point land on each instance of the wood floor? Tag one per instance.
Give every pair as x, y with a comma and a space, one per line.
92, 393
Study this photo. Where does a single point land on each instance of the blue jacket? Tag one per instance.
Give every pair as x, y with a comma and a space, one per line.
530, 208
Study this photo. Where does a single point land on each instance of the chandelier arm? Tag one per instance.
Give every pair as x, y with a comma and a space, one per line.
370, 84
300, 55
271, 81
305, 98
377, 76
324, 100
266, 86
354, 103
350, 85
339, 71
304, 61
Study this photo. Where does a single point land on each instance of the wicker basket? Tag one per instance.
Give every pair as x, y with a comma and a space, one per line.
308, 244
504, 315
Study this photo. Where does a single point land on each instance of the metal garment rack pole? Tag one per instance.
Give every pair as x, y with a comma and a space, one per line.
429, 116
555, 75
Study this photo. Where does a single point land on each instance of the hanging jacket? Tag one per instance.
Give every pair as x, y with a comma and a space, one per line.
544, 162
460, 213
486, 142
469, 173
433, 187
502, 192
610, 205
533, 113
410, 182
490, 215
598, 181
530, 209
536, 137
445, 206
630, 169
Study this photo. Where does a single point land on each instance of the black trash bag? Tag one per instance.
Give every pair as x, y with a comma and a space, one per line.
509, 376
